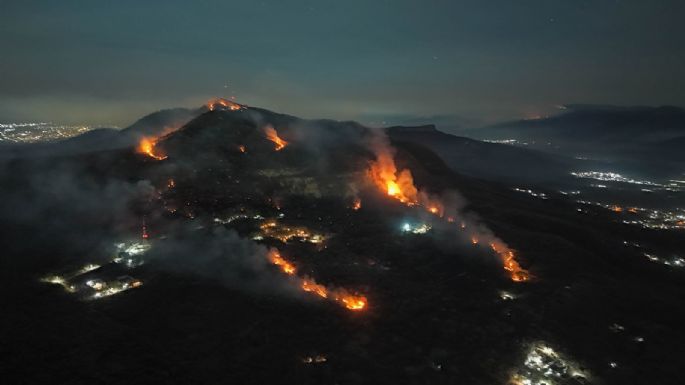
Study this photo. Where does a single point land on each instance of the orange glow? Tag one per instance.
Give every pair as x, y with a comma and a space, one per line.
276, 259
516, 272
357, 204
147, 146
310, 286
352, 302
272, 135
242, 149
616, 209
220, 103
400, 186
171, 183
633, 210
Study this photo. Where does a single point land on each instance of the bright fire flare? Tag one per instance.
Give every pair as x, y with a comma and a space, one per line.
397, 185
352, 302
147, 146
272, 135
400, 186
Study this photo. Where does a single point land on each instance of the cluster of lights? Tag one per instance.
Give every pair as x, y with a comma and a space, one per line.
233, 218
129, 253
317, 359
647, 218
105, 289
420, 228
660, 219
512, 142
674, 261
612, 177
544, 366
37, 132
272, 229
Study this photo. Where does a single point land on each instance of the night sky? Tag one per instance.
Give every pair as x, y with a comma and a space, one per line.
109, 62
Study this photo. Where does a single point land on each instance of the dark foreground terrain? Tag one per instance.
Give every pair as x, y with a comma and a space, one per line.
211, 309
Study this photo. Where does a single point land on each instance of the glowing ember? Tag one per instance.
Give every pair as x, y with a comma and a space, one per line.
147, 147
276, 259
223, 104
616, 209
357, 204
272, 135
352, 302
309, 285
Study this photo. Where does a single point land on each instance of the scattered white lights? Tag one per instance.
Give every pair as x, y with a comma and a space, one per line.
673, 261
37, 132
531, 193
59, 280
611, 177
317, 359
646, 218
421, 228
106, 289
233, 218
544, 366
130, 253
616, 328
507, 296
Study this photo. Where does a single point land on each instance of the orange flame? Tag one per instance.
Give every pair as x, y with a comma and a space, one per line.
616, 208
516, 272
397, 185
272, 135
147, 146
275, 258
400, 186
352, 302
220, 103
309, 285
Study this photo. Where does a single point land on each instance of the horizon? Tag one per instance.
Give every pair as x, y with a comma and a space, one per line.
98, 64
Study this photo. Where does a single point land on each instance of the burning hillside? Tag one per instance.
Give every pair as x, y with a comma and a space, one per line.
147, 147
399, 185
272, 135
319, 246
